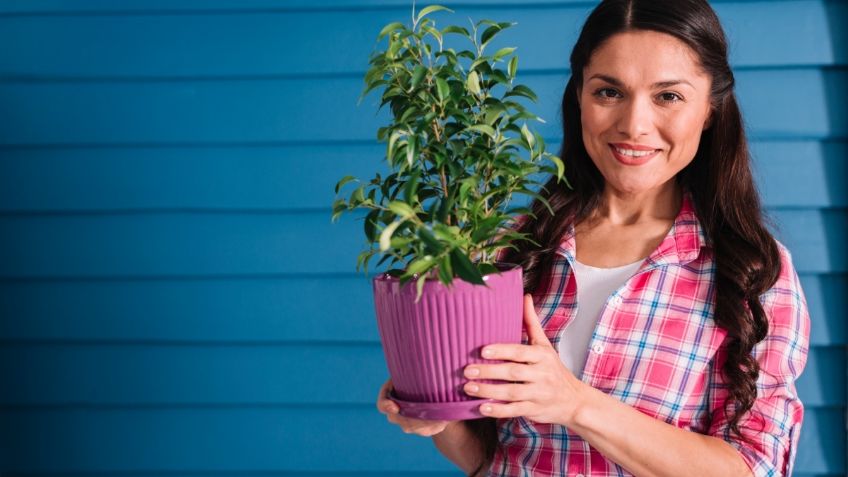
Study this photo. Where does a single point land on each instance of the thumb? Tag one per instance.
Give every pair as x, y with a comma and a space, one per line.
535, 332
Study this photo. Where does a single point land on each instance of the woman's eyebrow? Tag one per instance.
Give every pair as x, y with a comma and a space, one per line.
658, 84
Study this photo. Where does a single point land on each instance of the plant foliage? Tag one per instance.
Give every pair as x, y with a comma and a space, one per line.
459, 149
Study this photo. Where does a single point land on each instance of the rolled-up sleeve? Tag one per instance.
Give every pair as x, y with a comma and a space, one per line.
773, 424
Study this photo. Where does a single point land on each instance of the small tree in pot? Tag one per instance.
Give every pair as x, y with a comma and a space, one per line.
455, 148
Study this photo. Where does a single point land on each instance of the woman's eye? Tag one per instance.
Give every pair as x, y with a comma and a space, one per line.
601, 93
671, 97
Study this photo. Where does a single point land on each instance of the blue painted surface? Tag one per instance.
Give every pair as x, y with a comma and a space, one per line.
173, 297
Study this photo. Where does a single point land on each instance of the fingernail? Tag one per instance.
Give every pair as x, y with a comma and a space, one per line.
472, 388
486, 409
472, 372
488, 352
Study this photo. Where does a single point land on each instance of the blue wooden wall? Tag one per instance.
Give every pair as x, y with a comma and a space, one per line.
174, 299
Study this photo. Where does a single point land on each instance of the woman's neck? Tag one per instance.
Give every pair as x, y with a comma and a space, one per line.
622, 208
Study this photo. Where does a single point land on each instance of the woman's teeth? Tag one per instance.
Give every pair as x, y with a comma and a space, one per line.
628, 152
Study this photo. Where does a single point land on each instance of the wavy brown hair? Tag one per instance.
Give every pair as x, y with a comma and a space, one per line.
747, 259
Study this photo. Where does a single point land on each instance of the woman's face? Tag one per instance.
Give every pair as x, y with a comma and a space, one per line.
643, 92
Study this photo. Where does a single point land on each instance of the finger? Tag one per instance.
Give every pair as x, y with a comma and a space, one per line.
513, 409
384, 404
535, 332
503, 371
512, 352
411, 425
389, 407
384, 390
501, 392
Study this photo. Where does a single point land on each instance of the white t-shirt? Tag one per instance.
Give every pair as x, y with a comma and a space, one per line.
594, 287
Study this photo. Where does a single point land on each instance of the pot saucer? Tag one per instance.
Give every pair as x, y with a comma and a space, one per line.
441, 411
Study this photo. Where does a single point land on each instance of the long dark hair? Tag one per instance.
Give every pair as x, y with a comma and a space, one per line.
719, 178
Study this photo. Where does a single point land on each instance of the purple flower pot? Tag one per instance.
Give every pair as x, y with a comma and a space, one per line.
428, 344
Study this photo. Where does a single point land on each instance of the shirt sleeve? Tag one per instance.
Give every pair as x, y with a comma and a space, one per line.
774, 422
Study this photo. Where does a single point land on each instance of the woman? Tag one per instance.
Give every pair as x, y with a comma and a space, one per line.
665, 325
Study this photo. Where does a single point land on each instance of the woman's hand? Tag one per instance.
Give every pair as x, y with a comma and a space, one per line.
542, 388
409, 425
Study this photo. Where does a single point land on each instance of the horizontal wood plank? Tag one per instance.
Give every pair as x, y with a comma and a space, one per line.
316, 439
283, 38
263, 374
246, 310
267, 473
51, 7
309, 110
212, 244
789, 173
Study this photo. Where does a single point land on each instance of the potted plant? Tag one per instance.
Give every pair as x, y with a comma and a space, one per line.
459, 150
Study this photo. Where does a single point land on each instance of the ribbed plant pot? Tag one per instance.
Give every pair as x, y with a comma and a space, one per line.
428, 344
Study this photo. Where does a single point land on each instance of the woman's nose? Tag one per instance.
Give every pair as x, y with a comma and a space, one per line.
636, 117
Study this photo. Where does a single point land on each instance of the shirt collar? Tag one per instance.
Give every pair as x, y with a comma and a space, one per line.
681, 245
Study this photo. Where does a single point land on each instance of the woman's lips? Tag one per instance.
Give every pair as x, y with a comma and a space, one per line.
631, 160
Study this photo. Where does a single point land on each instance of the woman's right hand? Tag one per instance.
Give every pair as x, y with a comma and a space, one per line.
422, 427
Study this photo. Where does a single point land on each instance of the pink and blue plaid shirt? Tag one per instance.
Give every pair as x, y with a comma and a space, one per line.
657, 348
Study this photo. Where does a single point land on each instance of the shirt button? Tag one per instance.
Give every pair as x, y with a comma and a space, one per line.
598, 348
618, 300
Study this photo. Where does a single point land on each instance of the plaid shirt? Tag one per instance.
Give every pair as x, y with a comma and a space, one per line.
657, 348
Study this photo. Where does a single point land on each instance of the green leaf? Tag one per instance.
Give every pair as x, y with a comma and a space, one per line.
503, 52
370, 225
456, 29
489, 33
344, 180
357, 196
402, 209
421, 265
493, 30
411, 150
445, 270
433, 32
446, 233
483, 128
512, 67
485, 228
473, 82
392, 139
464, 268
444, 207
339, 206
528, 136
488, 268
435, 247
390, 28
521, 90
500, 77
427, 10
493, 112
417, 76
419, 287
398, 243
559, 165
442, 89
411, 186
386, 235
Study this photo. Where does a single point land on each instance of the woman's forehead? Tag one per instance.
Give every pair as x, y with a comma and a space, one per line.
644, 57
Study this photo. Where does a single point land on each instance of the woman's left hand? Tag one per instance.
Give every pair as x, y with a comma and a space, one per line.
545, 391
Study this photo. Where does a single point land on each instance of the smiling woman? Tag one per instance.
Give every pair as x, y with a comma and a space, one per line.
647, 113
690, 362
